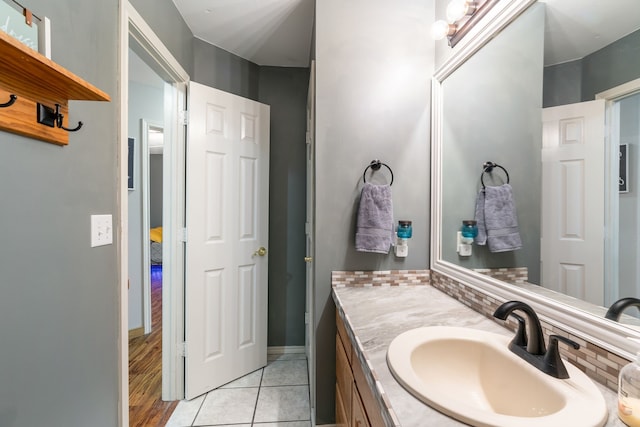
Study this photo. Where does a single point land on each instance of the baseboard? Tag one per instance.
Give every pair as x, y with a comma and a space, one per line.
290, 349
137, 332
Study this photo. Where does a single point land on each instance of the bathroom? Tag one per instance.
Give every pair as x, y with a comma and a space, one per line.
374, 66
486, 134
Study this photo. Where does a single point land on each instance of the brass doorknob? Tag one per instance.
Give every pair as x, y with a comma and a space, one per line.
308, 259
261, 252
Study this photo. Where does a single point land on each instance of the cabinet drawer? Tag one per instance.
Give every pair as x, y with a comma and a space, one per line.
342, 331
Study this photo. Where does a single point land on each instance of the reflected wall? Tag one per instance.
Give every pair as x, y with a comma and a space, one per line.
491, 112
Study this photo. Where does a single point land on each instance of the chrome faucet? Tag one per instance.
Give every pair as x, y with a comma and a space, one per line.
530, 345
619, 306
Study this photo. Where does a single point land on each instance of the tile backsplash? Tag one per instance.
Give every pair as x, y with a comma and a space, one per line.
599, 364
380, 278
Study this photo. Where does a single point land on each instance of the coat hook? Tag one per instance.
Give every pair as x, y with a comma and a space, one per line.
72, 130
11, 101
47, 116
60, 117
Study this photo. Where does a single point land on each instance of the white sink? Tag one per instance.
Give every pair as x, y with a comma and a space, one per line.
472, 376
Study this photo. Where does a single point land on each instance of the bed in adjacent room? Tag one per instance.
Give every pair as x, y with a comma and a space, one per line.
155, 234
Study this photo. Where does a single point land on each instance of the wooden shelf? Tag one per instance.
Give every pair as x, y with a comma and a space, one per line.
25, 72
35, 78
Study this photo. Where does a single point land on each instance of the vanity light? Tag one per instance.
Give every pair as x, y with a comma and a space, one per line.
458, 9
442, 29
461, 17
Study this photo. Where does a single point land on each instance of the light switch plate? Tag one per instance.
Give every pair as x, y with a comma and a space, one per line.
101, 230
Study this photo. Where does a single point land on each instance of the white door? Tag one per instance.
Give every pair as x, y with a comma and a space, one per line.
309, 231
573, 164
227, 229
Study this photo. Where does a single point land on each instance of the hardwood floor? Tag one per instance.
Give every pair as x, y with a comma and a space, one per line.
146, 408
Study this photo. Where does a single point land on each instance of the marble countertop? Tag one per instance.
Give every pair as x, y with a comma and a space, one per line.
376, 315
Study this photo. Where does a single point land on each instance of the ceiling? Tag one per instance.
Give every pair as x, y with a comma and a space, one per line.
279, 32
576, 28
266, 32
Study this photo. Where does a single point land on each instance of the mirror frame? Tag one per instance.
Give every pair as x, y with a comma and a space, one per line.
607, 334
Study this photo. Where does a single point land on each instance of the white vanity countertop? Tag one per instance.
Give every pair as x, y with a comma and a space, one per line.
376, 315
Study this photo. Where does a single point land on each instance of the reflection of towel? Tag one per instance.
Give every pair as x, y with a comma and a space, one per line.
497, 219
374, 229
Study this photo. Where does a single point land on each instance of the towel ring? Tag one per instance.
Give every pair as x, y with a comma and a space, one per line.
376, 165
488, 167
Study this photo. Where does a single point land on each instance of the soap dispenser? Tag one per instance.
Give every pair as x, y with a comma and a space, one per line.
403, 233
629, 393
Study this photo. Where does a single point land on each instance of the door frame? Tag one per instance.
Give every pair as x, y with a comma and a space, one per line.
310, 348
612, 139
133, 25
145, 184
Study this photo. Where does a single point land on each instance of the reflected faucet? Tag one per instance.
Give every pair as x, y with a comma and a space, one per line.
619, 306
530, 346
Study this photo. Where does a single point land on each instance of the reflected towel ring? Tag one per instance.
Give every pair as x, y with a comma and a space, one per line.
488, 167
375, 165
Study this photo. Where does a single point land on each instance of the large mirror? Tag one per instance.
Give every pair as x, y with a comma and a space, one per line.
526, 100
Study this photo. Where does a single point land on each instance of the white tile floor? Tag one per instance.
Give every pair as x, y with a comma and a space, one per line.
274, 396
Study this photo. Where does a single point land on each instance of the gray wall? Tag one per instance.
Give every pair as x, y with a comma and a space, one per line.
582, 79
562, 84
165, 20
155, 190
59, 305
611, 66
285, 90
629, 207
222, 70
374, 62
492, 113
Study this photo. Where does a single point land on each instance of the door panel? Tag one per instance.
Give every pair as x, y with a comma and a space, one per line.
227, 222
572, 244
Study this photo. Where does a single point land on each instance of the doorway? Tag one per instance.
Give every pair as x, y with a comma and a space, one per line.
622, 206
145, 206
145, 136
138, 36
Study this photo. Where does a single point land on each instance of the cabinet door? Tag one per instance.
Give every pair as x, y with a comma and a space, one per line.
368, 400
344, 378
341, 415
358, 415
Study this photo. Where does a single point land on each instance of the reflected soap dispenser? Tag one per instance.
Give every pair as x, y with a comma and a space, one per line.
629, 393
465, 237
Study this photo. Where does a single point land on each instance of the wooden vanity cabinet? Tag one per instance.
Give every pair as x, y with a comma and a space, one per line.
355, 403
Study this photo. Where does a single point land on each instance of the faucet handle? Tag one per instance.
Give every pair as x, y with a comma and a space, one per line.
552, 362
565, 340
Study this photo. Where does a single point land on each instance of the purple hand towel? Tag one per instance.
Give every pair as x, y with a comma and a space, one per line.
374, 228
